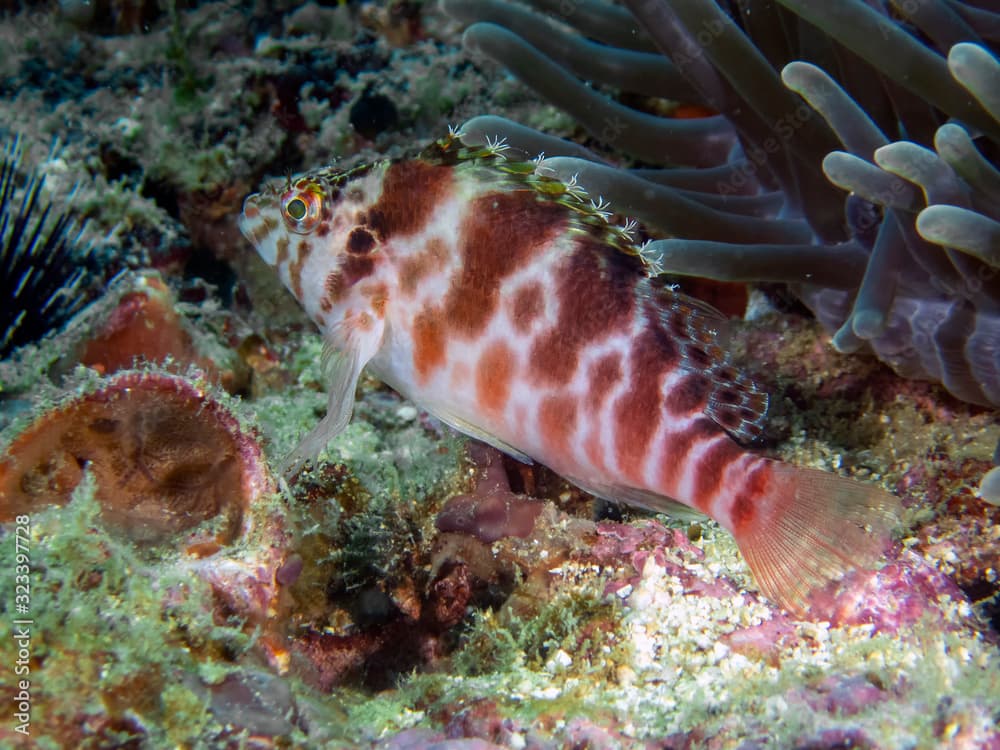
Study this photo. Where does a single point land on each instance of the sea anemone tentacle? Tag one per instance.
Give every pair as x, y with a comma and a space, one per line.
869, 159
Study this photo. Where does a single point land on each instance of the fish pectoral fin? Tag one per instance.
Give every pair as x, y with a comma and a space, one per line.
343, 370
456, 422
639, 498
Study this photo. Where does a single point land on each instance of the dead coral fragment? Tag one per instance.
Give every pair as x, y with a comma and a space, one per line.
165, 456
139, 319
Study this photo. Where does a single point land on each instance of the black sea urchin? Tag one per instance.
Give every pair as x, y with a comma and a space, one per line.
854, 155
41, 257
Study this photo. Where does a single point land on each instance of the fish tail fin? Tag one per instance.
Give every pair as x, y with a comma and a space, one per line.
805, 528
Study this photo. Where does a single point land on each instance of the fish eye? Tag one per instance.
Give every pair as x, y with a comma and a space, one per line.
296, 209
302, 210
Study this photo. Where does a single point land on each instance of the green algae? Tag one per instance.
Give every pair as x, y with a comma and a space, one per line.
371, 546
385, 447
110, 633
657, 666
943, 674
566, 621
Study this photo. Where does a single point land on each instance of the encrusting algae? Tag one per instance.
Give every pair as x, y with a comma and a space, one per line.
172, 466
491, 296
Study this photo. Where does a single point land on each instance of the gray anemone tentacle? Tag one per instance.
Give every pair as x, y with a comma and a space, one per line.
854, 154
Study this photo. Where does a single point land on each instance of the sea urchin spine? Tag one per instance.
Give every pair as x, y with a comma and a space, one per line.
40, 254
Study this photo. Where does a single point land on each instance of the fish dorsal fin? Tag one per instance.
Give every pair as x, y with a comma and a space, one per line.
734, 401
510, 168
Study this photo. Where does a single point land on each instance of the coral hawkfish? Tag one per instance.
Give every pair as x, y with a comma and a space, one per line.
504, 303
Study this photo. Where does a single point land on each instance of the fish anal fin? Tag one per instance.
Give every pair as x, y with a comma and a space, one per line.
640, 498
467, 428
